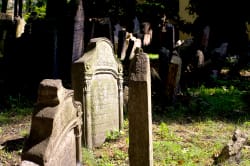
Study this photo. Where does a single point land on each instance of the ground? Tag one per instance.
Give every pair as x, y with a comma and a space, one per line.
14, 131
12, 139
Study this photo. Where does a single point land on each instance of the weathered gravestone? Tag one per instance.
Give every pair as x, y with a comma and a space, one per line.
232, 151
98, 84
173, 77
55, 135
164, 60
139, 112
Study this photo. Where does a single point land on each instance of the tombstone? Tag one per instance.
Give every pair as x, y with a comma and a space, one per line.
101, 27
98, 84
164, 60
147, 35
7, 10
18, 6
129, 46
128, 51
66, 31
173, 77
121, 39
7, 43
117, 28
6, 23
6, 16
140, 111
167, 33
20, 25
78, 33
2, 40
232, 151
55, 134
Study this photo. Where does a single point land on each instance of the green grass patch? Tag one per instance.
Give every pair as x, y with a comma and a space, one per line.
187, 134
19, 107
88, 157
15, 114
4, 118
153, 56
219, 102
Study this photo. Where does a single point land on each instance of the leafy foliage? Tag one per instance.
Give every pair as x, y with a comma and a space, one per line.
38, 7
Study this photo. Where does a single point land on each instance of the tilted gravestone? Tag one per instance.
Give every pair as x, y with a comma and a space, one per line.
98, 84
55, 135
140, 111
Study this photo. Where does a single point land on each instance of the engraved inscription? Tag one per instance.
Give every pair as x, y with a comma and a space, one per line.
104, 107
104, 95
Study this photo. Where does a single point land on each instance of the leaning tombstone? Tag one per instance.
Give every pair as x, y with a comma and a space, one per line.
139, 111
55, 134
98, 84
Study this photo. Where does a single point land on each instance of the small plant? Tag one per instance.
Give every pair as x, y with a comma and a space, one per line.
164, 132
246, 124
104, 160
120, 155
88, 157
112, 136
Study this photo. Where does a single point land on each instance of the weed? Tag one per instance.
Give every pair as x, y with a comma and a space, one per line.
88, 157
120, 155
112, 136
164, 132
246, 124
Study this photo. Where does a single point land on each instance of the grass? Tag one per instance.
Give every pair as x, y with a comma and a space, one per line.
187, 133
19, 107
153, 56
191, 135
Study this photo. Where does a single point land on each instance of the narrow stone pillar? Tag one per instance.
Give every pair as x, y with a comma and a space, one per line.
139, 111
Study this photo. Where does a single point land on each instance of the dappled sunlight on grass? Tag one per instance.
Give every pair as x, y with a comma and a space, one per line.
153, 56
193, 143
189, 133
